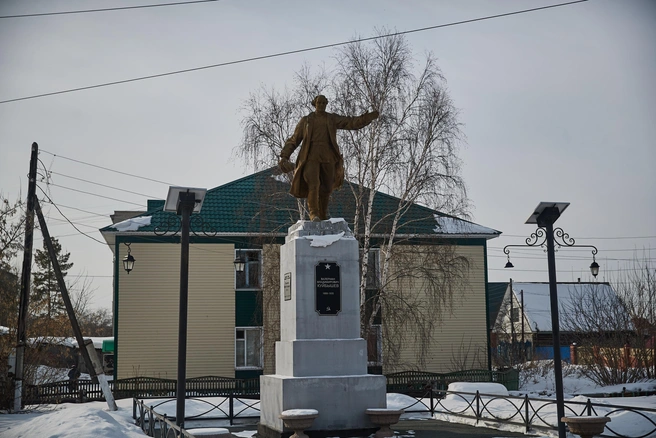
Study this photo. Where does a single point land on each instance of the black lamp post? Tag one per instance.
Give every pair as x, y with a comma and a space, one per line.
544, 216
184, 201
128, 261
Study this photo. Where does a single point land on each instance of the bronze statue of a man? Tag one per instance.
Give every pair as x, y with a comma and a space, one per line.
319, 165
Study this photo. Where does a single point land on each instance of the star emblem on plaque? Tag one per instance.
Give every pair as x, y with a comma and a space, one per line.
328, 288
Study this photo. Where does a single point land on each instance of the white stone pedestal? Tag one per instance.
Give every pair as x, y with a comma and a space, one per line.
321, 361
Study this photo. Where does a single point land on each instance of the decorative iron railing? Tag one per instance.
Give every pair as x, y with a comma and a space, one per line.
87, 390
238, 398
406, 382
231, 408
416, 382
531, 413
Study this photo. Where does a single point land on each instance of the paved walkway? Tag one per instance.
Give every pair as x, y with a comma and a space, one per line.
442, 429
424, 429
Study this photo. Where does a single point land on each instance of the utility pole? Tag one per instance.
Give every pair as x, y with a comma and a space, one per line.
86, 346
513, 356
91, 360
521, 294
26, 276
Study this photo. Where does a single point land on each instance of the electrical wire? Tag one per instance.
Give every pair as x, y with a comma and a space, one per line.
107, 169
92, 194
289, 52
104, 216
72, 222
85, 11
523, 251
64, 216
103, 185
598, 238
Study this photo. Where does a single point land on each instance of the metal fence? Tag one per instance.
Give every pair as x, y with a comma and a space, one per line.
530, 413
416, 382
238, 397
230, 408
87, 390
407, 382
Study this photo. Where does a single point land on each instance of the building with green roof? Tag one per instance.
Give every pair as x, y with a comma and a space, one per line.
233, 317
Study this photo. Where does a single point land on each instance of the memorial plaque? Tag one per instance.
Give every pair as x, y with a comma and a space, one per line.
288, 286
328, 288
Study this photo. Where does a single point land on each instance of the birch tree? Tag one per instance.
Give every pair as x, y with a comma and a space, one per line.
410, 152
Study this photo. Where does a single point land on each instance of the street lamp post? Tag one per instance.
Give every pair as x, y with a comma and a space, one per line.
184, 201
545, 215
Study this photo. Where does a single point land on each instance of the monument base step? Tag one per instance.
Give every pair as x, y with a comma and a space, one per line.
342, 401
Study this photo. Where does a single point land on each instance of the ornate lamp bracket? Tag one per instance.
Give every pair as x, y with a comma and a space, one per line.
171, 225
560, 238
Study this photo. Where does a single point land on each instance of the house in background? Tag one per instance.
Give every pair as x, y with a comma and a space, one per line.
522, 328
495, 293
233, 316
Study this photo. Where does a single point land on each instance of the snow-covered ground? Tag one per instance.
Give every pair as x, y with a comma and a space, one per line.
94, 420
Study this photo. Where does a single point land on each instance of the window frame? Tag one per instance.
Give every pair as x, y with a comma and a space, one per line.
244, 252
378, 330
246, 330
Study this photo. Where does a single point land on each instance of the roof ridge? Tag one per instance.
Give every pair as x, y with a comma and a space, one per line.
422, 207
230, 183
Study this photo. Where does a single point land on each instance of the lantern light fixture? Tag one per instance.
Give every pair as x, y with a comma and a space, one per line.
128, 261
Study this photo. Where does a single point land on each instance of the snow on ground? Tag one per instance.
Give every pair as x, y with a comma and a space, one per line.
86, 420
94, 420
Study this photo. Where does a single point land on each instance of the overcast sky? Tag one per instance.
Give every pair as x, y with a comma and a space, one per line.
557, 105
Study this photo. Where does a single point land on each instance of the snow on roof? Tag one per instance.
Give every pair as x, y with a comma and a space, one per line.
281, 178
67, 342
53, 340
451, 225
133, 224
97, 341
537, 305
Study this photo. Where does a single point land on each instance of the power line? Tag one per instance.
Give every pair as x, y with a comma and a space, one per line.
107, 169
85, 11
102, 185
92, 194
289, 52
64, 216
72, 222
569, 258
524, 251
599, 238
105, 216
561, 271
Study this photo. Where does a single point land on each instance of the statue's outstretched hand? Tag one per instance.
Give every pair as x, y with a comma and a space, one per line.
285, 165
370, 116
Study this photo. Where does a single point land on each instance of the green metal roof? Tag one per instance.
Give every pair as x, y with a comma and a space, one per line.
260, 204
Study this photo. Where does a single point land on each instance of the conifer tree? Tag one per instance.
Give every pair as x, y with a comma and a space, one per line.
46, 295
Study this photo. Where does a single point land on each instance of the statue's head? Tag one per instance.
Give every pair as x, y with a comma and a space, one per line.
319, 103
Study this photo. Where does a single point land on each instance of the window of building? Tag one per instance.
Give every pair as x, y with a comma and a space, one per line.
248, 347
515, 314
373, 273
375, 346
251, 276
